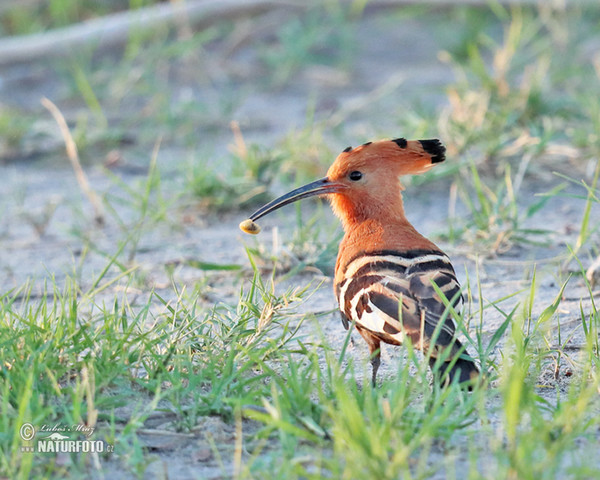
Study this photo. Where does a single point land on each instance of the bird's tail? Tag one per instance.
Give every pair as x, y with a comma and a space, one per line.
464, 369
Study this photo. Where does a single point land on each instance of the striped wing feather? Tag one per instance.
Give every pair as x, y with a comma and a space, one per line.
392, 296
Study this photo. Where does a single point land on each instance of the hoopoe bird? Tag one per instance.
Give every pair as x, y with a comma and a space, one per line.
385, 270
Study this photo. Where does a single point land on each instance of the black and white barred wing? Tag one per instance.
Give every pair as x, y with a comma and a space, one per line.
392, 295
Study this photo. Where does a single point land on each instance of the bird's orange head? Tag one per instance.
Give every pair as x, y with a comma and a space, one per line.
369, 174
363, 182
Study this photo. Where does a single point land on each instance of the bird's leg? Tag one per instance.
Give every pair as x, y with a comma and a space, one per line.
375, 361
375, 350
438, 375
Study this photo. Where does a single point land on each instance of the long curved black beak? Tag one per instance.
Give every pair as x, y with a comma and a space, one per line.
318, 187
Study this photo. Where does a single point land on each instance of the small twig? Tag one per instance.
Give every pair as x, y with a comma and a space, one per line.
155, 431
239, 146
569, 347
114, 29
75, 163
590, 272
239, 439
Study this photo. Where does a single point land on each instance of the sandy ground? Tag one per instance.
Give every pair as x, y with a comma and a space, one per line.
398, 56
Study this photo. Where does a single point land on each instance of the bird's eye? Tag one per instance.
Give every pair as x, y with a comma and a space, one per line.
355, 176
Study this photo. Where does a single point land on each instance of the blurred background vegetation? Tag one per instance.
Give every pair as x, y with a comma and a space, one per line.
129, 301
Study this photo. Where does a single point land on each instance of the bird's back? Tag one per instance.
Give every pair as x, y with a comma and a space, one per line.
391, 294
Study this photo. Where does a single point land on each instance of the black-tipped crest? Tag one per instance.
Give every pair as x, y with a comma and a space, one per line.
347, 149
366, 144
401, 142
434, 148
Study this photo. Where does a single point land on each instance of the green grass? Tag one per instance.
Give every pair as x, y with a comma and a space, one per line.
69, 360
239, 341
496, 222
324, 35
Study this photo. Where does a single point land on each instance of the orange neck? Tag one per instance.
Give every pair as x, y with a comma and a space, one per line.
356, 210
374, 234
